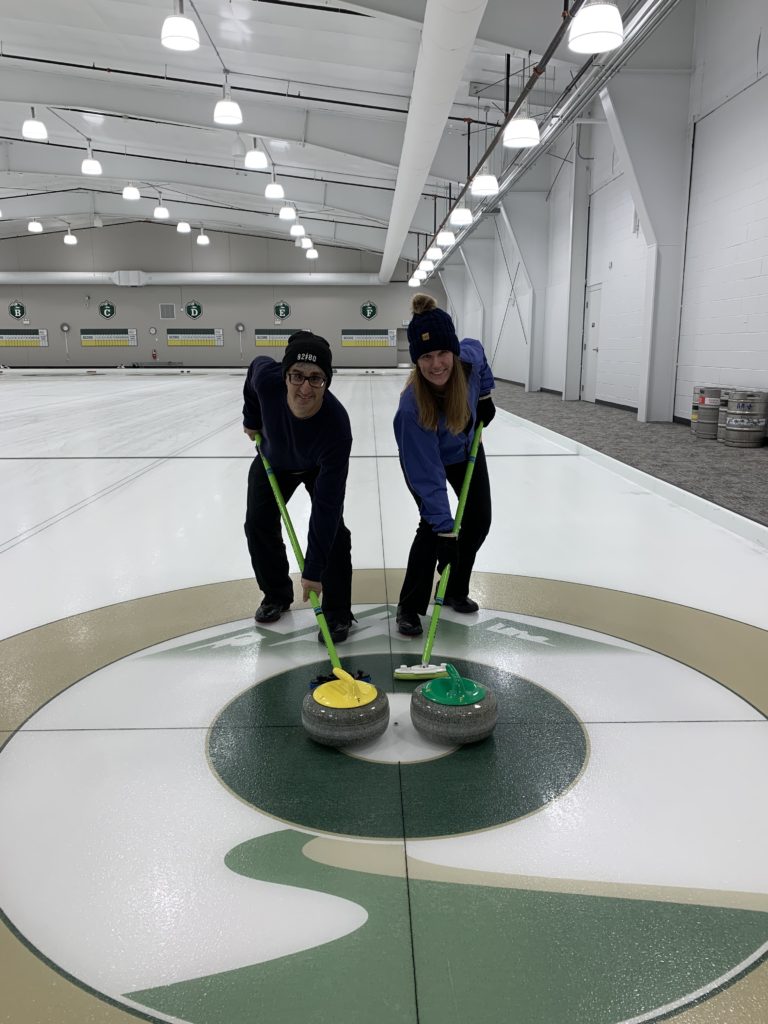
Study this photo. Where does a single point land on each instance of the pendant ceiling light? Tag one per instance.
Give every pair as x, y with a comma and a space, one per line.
160, 212
90, 165
427, 265
460, 216
484, 183
227, 111
178, 32
521, 133
35, 227
203, 239
306, 242
34, 129
297, 230
420, 274
183, 227
434, 252
131, 193
312, 254
287, 213
255, 160
69, 238
274, 189
596, 28
445, 238
414, 282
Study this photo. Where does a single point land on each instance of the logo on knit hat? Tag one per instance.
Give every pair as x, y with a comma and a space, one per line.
305, 357
425, 336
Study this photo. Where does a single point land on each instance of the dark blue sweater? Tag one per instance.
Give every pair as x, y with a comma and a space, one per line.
293, 445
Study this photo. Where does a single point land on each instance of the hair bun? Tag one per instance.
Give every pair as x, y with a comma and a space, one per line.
422, 303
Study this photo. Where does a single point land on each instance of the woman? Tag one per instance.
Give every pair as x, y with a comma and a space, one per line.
447, 393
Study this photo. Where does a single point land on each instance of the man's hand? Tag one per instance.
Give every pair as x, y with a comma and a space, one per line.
251, 433
307, 585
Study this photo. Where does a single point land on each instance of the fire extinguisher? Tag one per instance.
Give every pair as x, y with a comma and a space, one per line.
154, 353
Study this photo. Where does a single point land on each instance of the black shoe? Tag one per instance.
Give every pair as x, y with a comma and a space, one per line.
408, 623
267, 612
339, 630
464, 605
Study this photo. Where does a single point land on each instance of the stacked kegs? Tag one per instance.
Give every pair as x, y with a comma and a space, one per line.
708, 402
745, 418
725, 394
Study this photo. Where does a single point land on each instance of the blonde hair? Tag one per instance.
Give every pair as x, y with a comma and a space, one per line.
455, 403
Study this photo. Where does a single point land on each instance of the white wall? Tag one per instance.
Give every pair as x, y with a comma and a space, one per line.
527, 214
558, 276
325, 310
617, 261
724, 323
509, 338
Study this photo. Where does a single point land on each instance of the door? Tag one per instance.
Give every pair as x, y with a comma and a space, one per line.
591, 343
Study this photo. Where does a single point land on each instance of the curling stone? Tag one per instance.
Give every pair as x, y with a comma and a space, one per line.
345, 711
454, 710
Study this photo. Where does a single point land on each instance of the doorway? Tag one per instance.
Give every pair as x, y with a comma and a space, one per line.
591, 344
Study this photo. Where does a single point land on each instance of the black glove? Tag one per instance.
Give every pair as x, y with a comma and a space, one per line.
447, 546
485, 411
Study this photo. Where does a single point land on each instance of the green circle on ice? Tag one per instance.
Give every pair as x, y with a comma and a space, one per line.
257, 750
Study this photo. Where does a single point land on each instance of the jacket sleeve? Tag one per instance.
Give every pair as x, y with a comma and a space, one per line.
251, 404
327, 507
473, 352
424, 470
487, 382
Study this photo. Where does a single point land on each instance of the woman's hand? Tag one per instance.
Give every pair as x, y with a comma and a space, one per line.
485, 411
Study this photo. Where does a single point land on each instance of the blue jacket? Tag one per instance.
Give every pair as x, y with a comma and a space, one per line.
293, 445
424, 454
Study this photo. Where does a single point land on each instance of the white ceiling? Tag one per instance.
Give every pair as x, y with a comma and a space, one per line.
324, 84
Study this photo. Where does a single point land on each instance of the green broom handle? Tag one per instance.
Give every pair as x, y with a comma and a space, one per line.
313, 598
443, 584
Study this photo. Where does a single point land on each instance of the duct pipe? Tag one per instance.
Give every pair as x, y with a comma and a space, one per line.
447, 37
138, 278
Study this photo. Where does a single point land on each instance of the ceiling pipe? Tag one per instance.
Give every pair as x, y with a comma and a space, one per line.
640, 20
139, 278
447, 37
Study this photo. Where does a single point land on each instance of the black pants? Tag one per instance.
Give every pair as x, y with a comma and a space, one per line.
419, 575
267, 549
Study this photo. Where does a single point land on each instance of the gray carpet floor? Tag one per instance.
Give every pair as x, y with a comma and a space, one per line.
735, 478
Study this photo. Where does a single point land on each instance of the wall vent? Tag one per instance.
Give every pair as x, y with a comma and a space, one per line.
167, 311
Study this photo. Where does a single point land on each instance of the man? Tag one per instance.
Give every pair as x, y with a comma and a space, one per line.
307, 439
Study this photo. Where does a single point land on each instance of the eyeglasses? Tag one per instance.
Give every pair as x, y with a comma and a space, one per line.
315, 380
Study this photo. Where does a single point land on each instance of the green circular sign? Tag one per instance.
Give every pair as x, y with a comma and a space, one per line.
17, 309
107, 310
193, 310
541, 750
369, 310
282, 310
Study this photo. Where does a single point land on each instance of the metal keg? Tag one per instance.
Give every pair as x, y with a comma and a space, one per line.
695, 408
725, 394
745, 419
709, 407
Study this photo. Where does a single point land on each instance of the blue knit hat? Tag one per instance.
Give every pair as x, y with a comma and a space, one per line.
431, 329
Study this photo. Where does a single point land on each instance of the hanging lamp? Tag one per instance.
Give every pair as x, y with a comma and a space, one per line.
179, 32
34, 129
596, 28
227, 111
90, 164
254, 159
